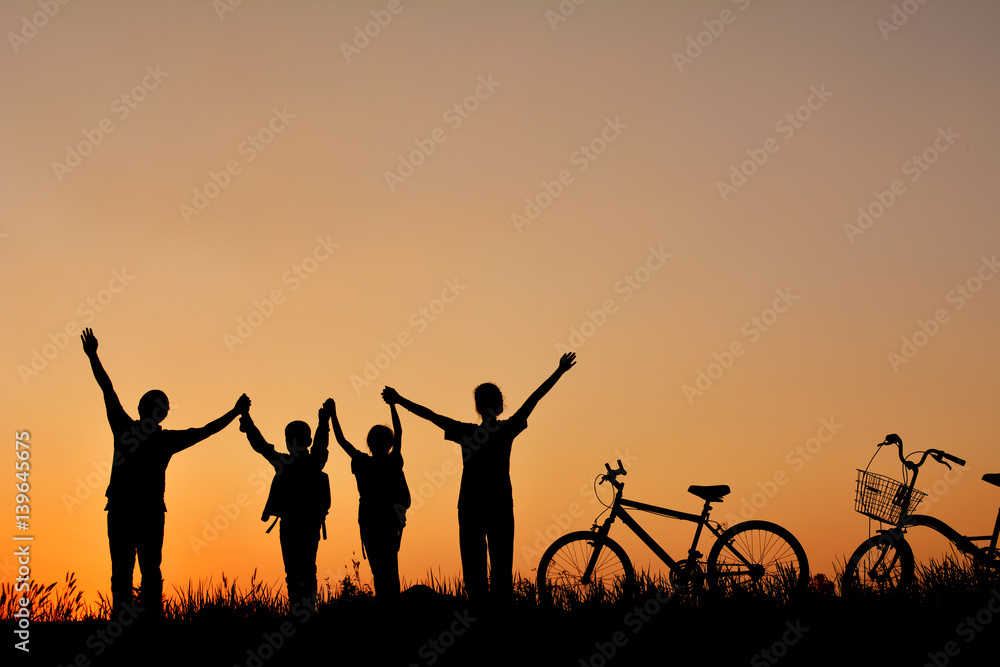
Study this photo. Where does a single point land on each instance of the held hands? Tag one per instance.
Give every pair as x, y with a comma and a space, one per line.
567, 361
89, 342
390, 395
243, 407
329, 409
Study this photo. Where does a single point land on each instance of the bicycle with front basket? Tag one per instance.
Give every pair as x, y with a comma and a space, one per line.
757, 555
884, 562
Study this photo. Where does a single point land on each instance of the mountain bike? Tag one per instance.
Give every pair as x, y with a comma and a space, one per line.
757, 555
884, 563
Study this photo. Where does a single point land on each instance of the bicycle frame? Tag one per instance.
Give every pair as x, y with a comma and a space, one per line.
964, 543
618, 513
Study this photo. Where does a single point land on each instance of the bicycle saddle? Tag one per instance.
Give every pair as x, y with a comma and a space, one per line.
712, 494
992, 478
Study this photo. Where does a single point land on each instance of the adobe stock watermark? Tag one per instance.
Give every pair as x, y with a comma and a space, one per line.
752, 329
796, 460
563, 521
786, 126
699, 42
87, 485
272, 642
771, 655
419, 321
967, 630
915, 167
364, 34
957, 298
229, 513
562, 12
434, 648
625, 288
295, 276
121, 107
223, 7
898, 17
88, 310
634, 621
455, 115
584, 156
248, 149
31, 25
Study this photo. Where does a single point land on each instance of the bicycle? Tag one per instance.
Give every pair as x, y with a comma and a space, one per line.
756, 555
884, 562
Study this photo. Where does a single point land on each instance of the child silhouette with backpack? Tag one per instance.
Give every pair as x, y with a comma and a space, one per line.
384, 499
299, 497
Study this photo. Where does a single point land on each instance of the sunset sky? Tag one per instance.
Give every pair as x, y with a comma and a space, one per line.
769, 231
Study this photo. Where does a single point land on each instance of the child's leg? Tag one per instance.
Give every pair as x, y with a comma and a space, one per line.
500, 535
472, 542
383, 557
122, 543
150, 553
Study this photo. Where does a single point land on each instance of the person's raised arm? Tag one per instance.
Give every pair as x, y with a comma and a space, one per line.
195, 435
256, 439
321, 441
397, 430
566, 362
111, 401
392, 397
331, 409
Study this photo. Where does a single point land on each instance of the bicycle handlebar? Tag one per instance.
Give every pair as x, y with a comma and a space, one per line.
937, 454
612, 475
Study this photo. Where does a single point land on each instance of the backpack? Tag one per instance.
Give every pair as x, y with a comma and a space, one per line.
300, 494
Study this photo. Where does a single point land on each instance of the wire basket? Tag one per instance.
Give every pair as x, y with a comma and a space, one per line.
883, 498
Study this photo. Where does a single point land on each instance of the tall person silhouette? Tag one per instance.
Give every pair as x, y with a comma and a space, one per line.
384, 499
485, 499
299, 497
135, 507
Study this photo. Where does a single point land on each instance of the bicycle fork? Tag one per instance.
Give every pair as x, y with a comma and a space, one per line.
600, 536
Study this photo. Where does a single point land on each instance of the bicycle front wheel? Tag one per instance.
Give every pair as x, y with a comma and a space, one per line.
882, 564
583, 567
759, 556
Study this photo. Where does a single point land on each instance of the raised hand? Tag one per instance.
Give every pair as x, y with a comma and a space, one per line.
243, 405
390, 395
89, 342
329, 407
245, 421
567, 361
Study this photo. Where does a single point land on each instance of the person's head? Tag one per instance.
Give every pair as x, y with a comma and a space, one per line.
489, 400
298, 437
154, 406
380, 440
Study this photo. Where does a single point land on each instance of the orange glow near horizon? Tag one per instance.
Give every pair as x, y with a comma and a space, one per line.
768, 250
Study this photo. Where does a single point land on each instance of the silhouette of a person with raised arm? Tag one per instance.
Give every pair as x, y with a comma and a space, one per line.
299, 497
135, 492
384, 499
485, 499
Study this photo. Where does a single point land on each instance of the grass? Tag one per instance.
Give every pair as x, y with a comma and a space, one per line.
228, 621
937, 581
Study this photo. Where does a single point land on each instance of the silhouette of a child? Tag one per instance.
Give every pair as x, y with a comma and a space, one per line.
135, 492
485, 499
299, 497
384, 498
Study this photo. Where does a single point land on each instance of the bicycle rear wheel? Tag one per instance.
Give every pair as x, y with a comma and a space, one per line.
759, 556
882, 564
563, 579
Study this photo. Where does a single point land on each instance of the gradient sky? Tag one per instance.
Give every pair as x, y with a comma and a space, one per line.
636, 256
